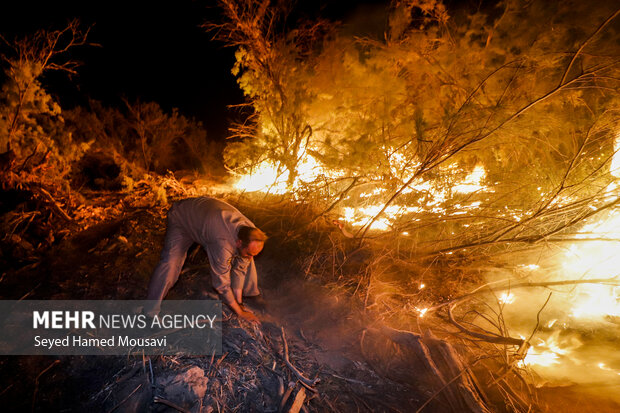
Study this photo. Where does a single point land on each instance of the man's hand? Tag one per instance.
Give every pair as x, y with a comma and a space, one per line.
230, 301
248, 316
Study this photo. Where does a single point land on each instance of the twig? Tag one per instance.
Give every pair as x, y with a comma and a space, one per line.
298, 402
538, 318
286, 396
298, 374
483, 288
350, 380
583, 45
57, 207
169, 404
485, 337
217, 364
6, 388
36, 382
29, 292
129, 374
151, 369
125, 399
445, 386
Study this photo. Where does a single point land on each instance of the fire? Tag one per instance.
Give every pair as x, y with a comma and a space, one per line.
472, 182
546, 353
596, 255
597, 301
264, 178
595, 259
543, 358
421, 311
267, 177
507, 298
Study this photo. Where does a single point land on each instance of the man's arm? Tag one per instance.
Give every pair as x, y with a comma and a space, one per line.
220, 262
228, 299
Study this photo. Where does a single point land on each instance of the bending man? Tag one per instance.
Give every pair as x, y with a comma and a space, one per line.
230, 240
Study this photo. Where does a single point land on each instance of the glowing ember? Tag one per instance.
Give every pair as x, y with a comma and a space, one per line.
507, 298
264, 178
550, 351
269, 178
472, 182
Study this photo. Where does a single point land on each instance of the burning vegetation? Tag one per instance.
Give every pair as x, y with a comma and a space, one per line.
452, 184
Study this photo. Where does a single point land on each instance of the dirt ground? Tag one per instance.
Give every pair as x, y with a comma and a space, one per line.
113, 260
330, 339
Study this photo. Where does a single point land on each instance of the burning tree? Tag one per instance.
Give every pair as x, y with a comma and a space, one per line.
415, 113
479, 140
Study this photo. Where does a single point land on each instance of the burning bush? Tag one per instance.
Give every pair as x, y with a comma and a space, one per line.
475, 144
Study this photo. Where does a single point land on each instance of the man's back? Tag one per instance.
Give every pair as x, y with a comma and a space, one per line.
210, 221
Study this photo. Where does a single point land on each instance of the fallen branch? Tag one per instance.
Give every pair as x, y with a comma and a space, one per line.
485, 337
482, 289
169, 404
445, 386
286, 396
302, 379
125, 399
57, 207
36, 381
298, 402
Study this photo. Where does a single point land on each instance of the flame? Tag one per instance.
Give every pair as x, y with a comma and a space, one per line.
595, 259
421, 311
264, 178
472, 182
596, 255
543, 359
507, 298
550, 351
267, 177
597, 301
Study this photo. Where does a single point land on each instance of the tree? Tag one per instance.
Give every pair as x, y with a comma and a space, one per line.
30, 120
413, 114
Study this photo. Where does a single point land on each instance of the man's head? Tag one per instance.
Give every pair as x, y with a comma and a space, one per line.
250, 241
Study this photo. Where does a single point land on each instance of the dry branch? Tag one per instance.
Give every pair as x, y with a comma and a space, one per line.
298, 374
36, 381
485, 337
298, 402
482, 289
125, 399
57, 207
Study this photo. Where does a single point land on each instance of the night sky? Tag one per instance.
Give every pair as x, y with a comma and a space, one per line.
157, 51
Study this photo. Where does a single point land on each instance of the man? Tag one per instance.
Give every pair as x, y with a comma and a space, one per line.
230, 240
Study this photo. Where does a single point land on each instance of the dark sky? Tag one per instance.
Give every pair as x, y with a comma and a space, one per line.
155, 51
